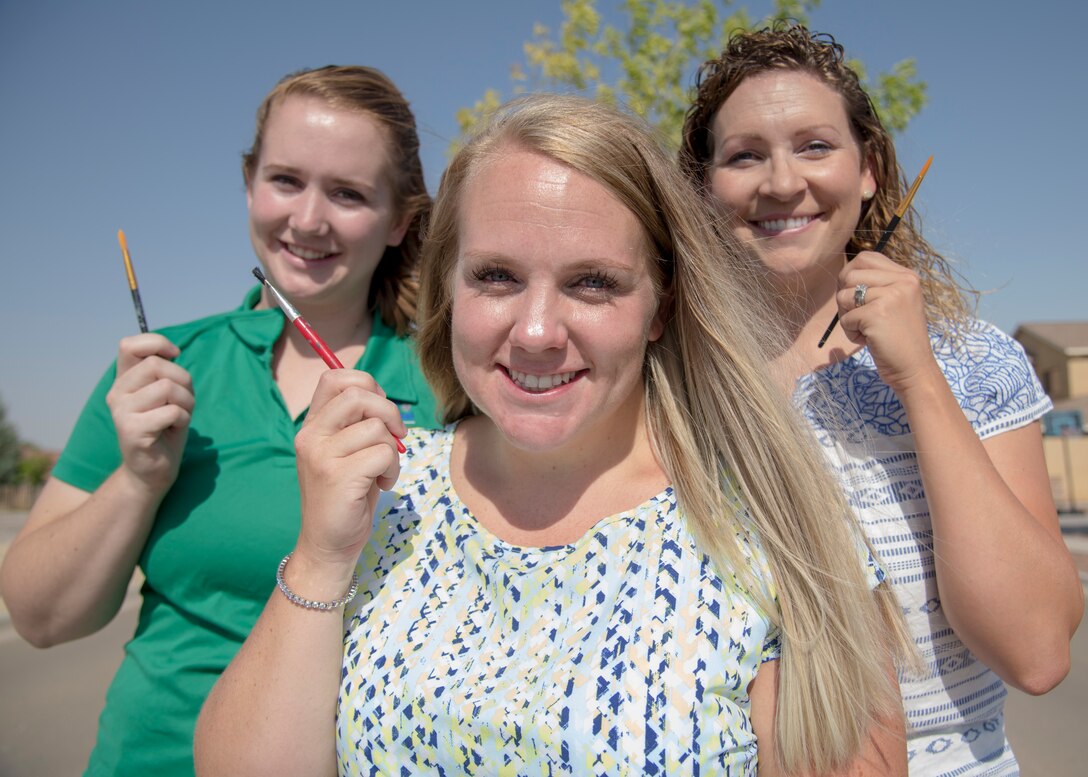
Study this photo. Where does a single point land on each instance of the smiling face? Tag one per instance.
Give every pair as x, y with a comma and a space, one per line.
321, 203
553, 304
787, 169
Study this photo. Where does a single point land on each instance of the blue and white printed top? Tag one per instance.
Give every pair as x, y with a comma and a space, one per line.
623, 653
955, 711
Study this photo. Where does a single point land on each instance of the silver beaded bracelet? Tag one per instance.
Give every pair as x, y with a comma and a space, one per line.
310, 604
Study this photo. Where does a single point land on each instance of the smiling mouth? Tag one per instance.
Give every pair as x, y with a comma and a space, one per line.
784, 225
307, 254
540, 383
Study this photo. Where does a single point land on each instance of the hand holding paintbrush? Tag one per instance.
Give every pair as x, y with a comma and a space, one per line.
888, 232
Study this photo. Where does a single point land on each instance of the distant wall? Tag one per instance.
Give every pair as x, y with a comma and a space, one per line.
19, 496
1078, 377
1067, 464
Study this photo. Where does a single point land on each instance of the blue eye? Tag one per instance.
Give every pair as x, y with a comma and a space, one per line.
595, 282
282, 179
816, 148
742, 157
350, 195
492, 275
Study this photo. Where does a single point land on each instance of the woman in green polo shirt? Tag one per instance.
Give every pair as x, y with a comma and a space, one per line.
183, 462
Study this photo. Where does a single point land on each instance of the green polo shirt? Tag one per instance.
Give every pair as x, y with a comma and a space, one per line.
221, 530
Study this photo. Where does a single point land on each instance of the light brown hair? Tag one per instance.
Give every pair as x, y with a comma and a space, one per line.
394, 287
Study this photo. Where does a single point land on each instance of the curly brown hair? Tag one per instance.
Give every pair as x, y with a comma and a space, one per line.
786, 46
395, 286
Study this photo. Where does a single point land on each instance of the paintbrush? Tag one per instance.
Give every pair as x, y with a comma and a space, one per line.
888, 230
307, 331
132, 281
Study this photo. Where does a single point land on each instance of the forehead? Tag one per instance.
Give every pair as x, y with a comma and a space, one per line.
523, 202
321, 121
306, 132
780, 98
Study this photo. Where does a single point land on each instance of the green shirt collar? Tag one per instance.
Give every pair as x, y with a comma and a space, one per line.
388, 357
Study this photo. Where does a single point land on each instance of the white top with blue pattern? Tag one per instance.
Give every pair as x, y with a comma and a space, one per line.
955, 711
623, 653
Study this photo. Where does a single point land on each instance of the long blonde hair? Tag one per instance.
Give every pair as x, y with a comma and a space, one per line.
717, 421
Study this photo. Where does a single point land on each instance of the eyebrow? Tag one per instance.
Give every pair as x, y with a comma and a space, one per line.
811, 129
584, 263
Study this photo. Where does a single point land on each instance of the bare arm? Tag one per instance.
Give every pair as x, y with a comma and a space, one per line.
1007, 582
66, 573
884, 753
273, 711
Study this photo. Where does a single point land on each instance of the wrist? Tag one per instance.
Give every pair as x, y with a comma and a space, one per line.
921, 385
307, 603
318, 576
138, 489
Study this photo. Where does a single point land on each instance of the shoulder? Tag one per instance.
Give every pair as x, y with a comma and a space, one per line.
978, 347
214, 326
974, 340
990, 376
394, 363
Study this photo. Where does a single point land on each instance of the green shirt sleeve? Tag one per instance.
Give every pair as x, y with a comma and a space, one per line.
92, 452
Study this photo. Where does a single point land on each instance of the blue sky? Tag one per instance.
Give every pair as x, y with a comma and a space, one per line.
132, 115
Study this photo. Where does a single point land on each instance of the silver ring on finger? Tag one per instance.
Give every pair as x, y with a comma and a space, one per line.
859, 294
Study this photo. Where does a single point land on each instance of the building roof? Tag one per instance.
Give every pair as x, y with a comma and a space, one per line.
1070, 337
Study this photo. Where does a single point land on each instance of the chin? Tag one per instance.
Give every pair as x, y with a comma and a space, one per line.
535, 434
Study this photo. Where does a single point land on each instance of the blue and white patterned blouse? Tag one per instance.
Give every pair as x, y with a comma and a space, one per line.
623, 653
955, 711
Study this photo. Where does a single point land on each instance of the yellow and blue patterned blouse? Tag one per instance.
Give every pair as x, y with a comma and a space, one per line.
622, 653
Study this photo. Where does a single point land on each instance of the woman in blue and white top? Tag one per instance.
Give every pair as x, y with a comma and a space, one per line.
622, 557
929, 415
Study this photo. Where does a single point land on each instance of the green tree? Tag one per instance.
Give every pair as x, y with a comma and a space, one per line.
650, 63
33, 468
9, 448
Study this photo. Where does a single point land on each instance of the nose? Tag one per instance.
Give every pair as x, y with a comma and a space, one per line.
783, 179
540, 322
308, 214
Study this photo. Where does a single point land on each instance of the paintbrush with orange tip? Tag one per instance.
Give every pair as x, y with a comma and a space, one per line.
132, 281
888, 230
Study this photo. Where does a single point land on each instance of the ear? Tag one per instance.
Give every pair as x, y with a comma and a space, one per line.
399, 228
657, 323
868, 180
249, 192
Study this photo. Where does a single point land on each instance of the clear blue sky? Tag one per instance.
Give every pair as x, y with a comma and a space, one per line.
132, 115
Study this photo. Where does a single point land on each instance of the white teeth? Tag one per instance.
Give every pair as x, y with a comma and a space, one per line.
305, 253
778, 225
540, 382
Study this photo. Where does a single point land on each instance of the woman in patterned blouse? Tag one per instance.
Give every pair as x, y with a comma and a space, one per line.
622, 556
929, 416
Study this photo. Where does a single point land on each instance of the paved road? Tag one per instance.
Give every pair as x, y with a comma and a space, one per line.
50, 699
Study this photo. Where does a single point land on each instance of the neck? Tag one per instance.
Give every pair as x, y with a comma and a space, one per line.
340, 328
805, 306
553, 497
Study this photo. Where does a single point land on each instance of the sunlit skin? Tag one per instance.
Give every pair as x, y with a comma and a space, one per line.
553, 306
321, 204
788, 170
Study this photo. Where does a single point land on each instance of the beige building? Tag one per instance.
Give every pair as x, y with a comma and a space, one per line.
1059, 353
